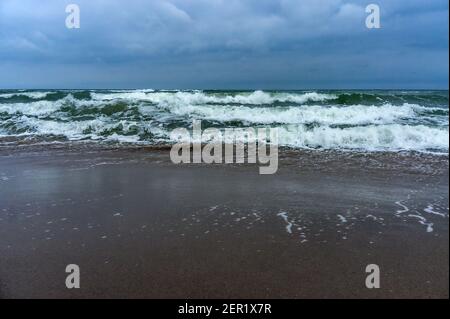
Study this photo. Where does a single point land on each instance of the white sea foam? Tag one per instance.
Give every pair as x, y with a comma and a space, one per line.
404, 209
393, 137
38, 108
342, 218
44, 107
33, 94
289, 224
182, 98
423, 221
383, 127
372, 138
349, 115
430, 210
77, 130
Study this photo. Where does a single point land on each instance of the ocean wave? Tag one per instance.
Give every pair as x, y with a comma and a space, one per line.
325, 115
101, 128
305, 119
392, 137
32, 95
201, 98
198, 97
223, 113
45, 107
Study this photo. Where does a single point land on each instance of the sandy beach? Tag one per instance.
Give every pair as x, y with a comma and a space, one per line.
224, 155
139, 226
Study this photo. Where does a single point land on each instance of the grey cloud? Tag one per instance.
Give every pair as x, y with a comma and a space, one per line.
168, 43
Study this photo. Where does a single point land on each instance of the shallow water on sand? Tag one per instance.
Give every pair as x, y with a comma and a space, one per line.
140, 226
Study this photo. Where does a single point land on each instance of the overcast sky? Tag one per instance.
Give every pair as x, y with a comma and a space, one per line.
223, 44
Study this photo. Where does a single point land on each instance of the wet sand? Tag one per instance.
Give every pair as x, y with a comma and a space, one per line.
140, 227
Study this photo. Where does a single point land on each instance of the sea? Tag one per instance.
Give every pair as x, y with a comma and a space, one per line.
347, 120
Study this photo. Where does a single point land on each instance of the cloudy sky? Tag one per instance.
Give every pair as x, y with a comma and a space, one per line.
223, 44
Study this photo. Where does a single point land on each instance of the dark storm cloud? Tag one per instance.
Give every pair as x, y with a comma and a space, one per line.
224, 44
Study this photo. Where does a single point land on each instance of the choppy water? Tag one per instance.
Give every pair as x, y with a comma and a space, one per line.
350, 120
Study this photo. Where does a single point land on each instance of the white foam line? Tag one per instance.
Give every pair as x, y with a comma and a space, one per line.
289, 224
342, 218
423, 221
430, 210
404, 210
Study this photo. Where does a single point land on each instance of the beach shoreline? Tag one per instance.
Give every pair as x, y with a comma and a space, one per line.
140, 226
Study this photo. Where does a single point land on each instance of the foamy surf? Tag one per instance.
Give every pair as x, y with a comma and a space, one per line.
345, 120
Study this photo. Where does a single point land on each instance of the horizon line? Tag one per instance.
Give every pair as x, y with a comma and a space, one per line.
233, 89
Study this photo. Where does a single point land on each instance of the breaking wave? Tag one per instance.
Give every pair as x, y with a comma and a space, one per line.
353, 120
